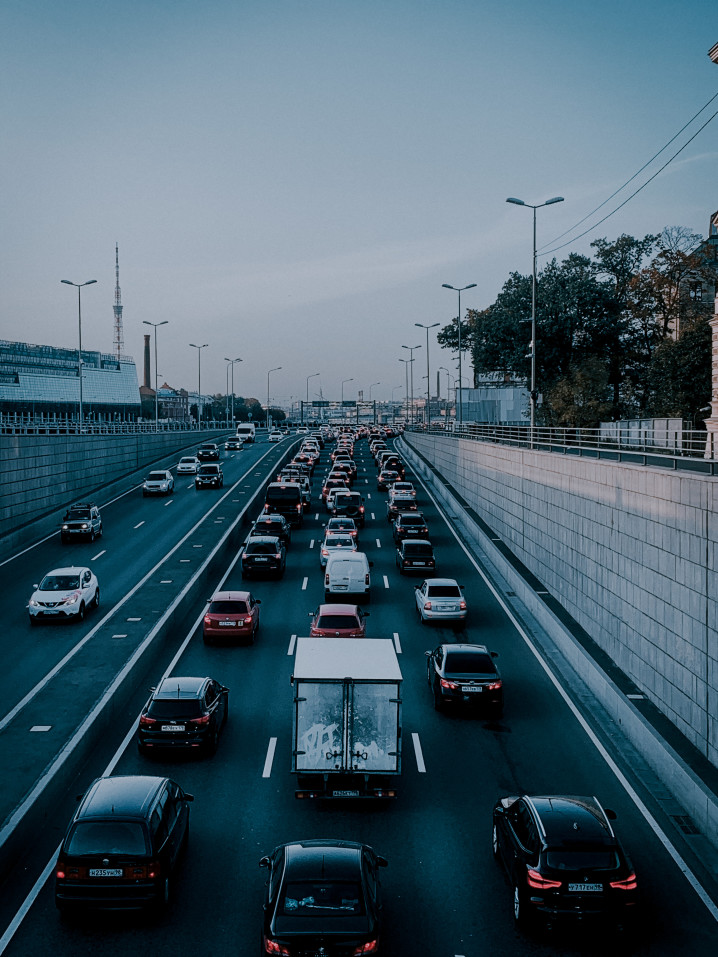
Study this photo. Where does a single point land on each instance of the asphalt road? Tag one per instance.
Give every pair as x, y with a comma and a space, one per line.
443, 893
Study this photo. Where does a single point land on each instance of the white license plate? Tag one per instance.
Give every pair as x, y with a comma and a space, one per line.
258, 560
172, 727
227, 624
51, 611
473, 688
591, 888
446, 608
345, 794
105, 872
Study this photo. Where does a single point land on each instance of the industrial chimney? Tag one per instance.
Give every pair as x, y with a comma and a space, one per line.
147, 361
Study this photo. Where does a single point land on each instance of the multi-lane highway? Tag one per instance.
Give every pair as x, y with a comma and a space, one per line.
443, 892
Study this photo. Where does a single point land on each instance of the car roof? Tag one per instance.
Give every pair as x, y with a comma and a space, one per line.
231, 596
572, 819
441, 581
178, 687
67, 571
338, 609
330, 860
126, 795
465, 648
414, 541
262, 538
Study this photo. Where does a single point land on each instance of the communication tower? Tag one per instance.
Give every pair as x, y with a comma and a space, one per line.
119, 342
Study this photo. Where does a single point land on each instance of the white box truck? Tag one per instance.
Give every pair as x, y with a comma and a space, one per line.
346, 732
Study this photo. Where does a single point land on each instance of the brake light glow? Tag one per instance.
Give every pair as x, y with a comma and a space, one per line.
248, 620
534, 879
272, 947
627, 884
369, 948
427, 606
451, 685
146, 721
493, 685
60, 871
366, 579
462, 605
200, 721
153, 869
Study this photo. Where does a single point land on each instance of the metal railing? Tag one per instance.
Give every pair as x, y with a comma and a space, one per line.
20, 424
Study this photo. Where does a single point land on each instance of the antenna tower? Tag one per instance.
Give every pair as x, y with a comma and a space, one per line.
119, 342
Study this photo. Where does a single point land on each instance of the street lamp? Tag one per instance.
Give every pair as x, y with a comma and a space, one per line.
393, 407
308, 378
199, 379
448, 386
232, 361
275, 369
471, 285
154, 326
412, 350
371, 387
343, 381
713, 53
407, 363
428, 384
78, 286
534, 394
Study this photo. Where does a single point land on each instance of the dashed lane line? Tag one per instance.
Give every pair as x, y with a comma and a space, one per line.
397, 643
292, 643
98, 555
421, 767
270, 758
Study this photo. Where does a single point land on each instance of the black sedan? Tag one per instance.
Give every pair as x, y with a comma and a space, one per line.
208, 452
184, 713
563, 860
465, 674
415, 555
322, 897
274, 525
209, 476
410, 525
263, 555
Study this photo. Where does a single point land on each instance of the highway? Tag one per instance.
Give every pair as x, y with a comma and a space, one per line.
444, 896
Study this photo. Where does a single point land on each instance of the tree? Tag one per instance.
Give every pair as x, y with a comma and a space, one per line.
582, 398
679, 376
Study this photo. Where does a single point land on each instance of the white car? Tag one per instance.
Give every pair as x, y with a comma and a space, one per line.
334, 542
275, 436
158, 483
64, 593
188, 465
302, 430
440, 599
406, 487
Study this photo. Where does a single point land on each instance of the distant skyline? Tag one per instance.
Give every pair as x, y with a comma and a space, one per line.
291, 181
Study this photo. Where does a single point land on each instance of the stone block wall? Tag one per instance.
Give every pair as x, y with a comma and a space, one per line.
631, 552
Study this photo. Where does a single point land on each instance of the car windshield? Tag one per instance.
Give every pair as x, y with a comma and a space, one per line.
459, 662
322, 898
261, 548
582, 858
187, 461
156, 477
77, 513
227, 608
108, 837
336, 622
444, 591
209, 470
183, 708
59, 582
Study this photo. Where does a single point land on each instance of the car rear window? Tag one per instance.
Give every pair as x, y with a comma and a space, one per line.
339, 541
411, 548
444, 591
322, 899
348, 498
260, 548
412, 520
175, 708
336, 622
458, 662
580, 858
108, 837
286, 493
228, 607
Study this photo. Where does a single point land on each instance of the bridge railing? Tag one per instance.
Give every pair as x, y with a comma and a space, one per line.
25, 424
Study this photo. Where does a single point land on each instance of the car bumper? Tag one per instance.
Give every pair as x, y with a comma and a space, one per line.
444, 615
213, 484
227, 633
261, 567
411, 566
155, 491
69, 611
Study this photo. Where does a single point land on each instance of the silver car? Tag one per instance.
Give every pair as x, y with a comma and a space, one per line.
188, 465
440, 599
158, 483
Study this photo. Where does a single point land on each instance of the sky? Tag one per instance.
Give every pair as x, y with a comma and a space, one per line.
291, 181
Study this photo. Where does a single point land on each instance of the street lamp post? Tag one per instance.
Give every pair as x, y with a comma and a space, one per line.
471, 285
199, 379
78, 286
534, 394
371, 387
406, 362
428, 382
412, 350
275, 369
393, 406
448, 386
312, 376
232, 361
343, 381
157, 407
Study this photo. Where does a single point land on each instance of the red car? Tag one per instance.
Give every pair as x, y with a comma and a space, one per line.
338, 621
231, 616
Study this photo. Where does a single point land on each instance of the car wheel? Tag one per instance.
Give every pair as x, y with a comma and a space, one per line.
144, 494
96, 600
99, 532
165, 894
438, 703
521, 913
92, 535
81, 613
212, 742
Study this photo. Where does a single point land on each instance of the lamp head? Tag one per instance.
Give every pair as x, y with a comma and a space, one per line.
517, 202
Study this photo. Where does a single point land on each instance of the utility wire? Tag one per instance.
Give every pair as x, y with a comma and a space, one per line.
601, 205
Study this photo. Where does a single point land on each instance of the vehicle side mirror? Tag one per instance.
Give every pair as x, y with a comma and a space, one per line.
494, 654
264, 862
257, 601
428, 654
611, 815
36, 586
184, 796
382, 861
366, 614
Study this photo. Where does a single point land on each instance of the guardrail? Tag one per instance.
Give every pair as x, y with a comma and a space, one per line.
15, 424
690, 449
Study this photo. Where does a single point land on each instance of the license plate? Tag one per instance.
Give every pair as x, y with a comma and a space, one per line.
473, 688
258, 560
345, 794
591, 888
446, 608
172, 727
51, 611
227, 624
105, 872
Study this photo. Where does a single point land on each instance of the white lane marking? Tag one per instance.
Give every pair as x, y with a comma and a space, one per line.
270, 757
119, 636
311, 544
397, 643
372, 515
139, 525
41, 727
421, 767
168, 502
386, 582
98, 555
633, 795
133, 619
304, 584
292, 642
191, 486
184, 561
166, 581
378, 543
368, 494
316, 517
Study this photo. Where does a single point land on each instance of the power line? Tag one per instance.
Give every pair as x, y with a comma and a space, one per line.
545, 252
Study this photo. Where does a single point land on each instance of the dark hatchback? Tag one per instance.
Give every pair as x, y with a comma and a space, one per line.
273, 525
350, 504
465, 674
184, 713
323, 898
415, 555
263, 555
122, 844
209, 476
563, 860
208, 452
410, 525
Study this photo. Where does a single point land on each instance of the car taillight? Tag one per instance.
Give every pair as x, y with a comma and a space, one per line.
534, 879
451, 685
325, 551
493, 685
153, 869
200, 721
248, 621
462, 605
207, 620
146, 721
369, 948
427, 606
366, 579
299, 507
361, 509
627, 884
326, 579
60, 871
272, 947
278, 555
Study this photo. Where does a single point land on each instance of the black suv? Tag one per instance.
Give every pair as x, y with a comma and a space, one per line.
81, 520
415, 555
183, 713
122, 844
350, 504
563, 859
465, 674
263, 554
410, 525
208, 452
274, 525
209, 476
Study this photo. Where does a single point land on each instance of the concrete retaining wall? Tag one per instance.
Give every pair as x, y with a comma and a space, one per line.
631, 552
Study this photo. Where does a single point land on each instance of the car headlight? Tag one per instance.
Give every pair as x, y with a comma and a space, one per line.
34, 603
64, 528
72, 599
85, 525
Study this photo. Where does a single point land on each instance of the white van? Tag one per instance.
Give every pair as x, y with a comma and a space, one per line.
347, 575
245, 431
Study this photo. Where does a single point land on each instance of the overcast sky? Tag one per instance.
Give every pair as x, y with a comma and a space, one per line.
291, 181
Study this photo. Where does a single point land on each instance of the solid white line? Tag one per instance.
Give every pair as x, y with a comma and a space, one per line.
168, 502
311, 544
397, 644
386, 582
270, 757
95, 557
304, 584
421, 767
292, 642
139, 525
